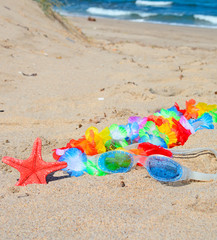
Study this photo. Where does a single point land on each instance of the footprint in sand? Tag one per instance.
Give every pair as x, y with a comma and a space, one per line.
166, 91
123, 113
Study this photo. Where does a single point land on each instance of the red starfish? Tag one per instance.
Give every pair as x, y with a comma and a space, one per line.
33, 169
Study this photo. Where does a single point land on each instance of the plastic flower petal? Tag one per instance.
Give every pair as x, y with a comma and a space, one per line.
142, 132
93, 137
203, 122
171, 137
58, 152
167, 114
151, 128
141, 121
92, 169
132, 130
203, 108
117, 132
191, 110
181, 132
150, 149
75, 160
158, 120
105, 135
153, 140
84, 145
175, 110
182, 111
89, 133
214, 116
186, 124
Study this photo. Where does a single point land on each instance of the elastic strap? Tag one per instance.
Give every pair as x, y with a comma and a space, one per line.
192, 151
202, 176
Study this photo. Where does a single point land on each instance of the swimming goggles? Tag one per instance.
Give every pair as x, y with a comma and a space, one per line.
159, 167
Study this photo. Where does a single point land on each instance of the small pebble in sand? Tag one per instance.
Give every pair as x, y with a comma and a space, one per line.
91, 19
181, 77
123, 184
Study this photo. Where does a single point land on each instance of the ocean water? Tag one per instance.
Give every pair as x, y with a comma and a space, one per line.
200, 13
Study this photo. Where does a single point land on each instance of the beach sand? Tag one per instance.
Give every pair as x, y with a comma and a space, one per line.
50, 83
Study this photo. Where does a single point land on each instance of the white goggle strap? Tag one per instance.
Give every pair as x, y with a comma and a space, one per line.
192, 151
196, 175
202, 176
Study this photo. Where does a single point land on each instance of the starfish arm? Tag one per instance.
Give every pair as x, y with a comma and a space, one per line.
28, 179
49, 168
36, 154
15, 163
24, 170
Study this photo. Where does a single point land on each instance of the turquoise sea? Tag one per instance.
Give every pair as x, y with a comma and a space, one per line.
200, 13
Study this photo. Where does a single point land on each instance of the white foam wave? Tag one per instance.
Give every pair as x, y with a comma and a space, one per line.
173, 24
153, 4
144, 15
207, 18
107, 12
116, 13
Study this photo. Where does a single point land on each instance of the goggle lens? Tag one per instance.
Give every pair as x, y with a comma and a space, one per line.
163, 168
115, 162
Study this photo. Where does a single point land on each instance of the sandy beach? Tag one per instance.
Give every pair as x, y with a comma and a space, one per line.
51, 81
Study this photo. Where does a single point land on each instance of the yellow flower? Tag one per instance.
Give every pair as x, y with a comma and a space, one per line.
98, 139
203, 107
171, 137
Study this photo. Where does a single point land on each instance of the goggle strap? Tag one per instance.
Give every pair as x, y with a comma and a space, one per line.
202, 176
192, 151
94, 158
137, 158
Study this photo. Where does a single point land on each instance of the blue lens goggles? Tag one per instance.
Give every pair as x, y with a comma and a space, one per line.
159, 167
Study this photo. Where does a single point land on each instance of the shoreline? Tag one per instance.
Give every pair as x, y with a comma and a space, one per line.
134, 21
152, 30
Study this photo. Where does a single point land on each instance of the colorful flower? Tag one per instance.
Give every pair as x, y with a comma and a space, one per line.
203, 122
141, 121
191, 110
203, 108
75, 159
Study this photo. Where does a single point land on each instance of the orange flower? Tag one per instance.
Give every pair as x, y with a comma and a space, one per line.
191, 110
83, 144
